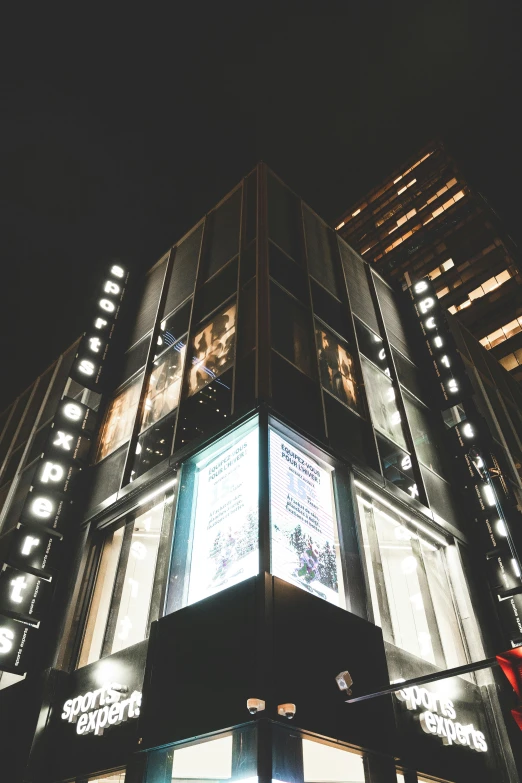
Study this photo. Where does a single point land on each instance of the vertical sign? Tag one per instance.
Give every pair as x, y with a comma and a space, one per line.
33, 549
478, 463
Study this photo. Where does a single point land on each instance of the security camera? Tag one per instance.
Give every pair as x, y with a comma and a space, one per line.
255, 705
344, 682
288, 710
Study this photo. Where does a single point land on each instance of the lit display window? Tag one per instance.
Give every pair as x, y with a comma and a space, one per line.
213, 349
120, 608
337, 368
328, 764
410, 590
305, 542
164, 385
119, 420
385, 414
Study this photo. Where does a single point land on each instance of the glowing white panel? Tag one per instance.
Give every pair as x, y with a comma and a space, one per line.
331, 765
205, 761
225, 539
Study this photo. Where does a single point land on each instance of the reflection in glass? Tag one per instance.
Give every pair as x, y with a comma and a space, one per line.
409, 587
119, 419
213, 349
337, 368
164, 385
138, 579
397, 466
327, 764
153, 446
305, 544
381, 397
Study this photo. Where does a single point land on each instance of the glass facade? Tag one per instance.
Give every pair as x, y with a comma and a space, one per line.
269, 457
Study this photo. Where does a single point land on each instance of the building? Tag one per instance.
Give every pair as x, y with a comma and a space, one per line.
260, 475
426, 219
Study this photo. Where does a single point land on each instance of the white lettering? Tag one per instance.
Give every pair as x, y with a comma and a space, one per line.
86, 367
29, 543
419, 288
72, 411
95, 344
111, 288
429, 323
81, 728
100, 323
42, 507
426, 304
96, 710
19, 584
5, 640
107, 305
63, 440
52, 472
467, 430
67, 709
445, 360
117, 271
453, 385
437, 342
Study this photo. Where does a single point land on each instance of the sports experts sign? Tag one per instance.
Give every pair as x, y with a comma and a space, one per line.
438, 717
107, 706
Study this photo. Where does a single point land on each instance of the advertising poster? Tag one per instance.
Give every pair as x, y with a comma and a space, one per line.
225, 539
213, 349
304, 546
337, 369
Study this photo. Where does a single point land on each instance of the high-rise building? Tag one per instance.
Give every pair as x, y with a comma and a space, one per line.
426, 219
262, 523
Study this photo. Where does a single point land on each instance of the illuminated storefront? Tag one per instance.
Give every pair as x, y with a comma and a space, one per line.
269, 499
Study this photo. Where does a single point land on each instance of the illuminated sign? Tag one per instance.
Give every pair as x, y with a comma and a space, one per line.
89, 362
31, 549
102, 708
304, 546
226, 547
439, 717
478, 463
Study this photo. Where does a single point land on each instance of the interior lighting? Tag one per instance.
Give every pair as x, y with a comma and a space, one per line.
401, 514
501, 528
158, 491
516, 568
489, 495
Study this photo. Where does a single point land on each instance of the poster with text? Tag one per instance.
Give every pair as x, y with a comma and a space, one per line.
304, 546
225, 539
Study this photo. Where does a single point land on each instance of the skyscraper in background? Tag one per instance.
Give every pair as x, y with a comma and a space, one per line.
426, 219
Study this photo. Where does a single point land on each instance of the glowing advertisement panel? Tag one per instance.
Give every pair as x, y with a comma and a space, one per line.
225, 530
305, 549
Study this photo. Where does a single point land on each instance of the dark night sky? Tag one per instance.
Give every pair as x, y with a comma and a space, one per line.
120, 128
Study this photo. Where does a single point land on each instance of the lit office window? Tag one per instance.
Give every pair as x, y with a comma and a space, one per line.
119, 612
119, 420
328, 764
410, 591
213, 349
512, 360
217, 541
305, 541
337, 368
502, 334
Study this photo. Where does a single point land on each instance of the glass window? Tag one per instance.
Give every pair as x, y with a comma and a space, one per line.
119, 420
119, 612
164, 385
327, 764
397, 466
305, 541
383, 408
424, 430
213, 349
217, 543
337, 368
205, 761
290, 330
410, 591
153, 446
110, 777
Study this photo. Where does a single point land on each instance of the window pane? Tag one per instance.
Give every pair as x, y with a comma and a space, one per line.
112, 777
305, 542
101, 600
153, 446
138, 579
213, 349
205, 761
383, 408
290, 329
337, 368
326, 764
406, 573
164, 385
424, 430
225, 547
119, 419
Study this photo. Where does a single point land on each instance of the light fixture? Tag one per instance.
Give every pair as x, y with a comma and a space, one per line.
158, 491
